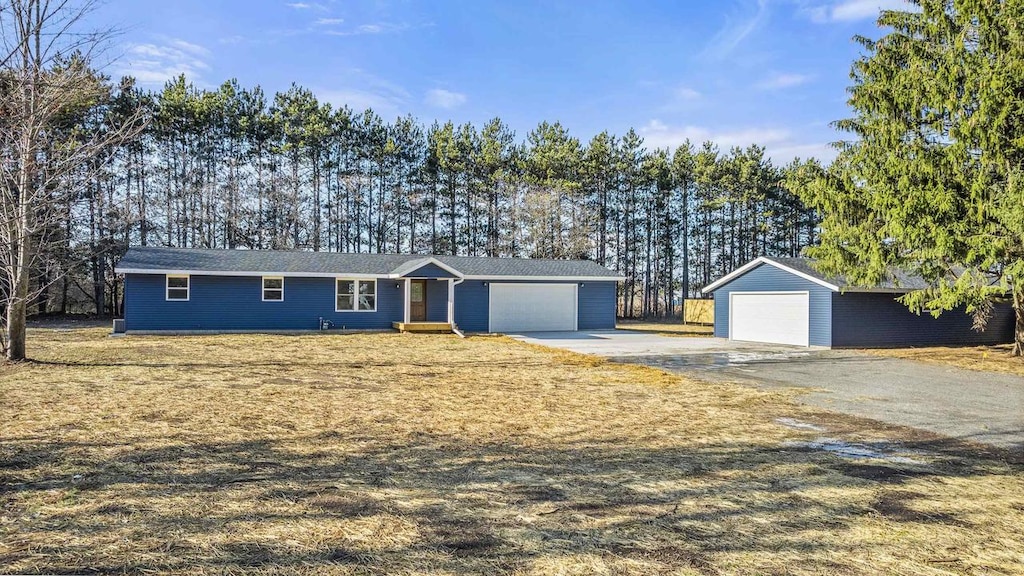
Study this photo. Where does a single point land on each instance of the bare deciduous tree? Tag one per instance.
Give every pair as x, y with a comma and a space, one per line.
48, 150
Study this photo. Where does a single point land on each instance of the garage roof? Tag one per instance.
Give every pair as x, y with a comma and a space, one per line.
804, 267
159, 260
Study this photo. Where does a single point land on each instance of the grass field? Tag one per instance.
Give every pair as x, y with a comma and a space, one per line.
986, 358
667, 328
429, 454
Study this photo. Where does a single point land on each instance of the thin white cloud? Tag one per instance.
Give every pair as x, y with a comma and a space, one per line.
230, 40
824, 152
675, 99
377, 28
783, 80
780, 143
156, 63
188, 47
446, 99
852, 10
685, 93
305, 6
736, 29
366, 90
657, 134
328, 21
359, 100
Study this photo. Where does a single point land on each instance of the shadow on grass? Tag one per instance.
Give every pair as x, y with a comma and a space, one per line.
191, 364
435, 502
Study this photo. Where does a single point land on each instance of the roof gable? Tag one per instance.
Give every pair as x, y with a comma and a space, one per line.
763, 260
426, 267
897, 282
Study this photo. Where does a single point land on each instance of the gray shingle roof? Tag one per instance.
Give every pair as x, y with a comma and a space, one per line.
199, 260
897, 280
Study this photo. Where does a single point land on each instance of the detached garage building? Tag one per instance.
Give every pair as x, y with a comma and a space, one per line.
787, 301
184, 289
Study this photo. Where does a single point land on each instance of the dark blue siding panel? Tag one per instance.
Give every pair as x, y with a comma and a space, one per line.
878, 320
234, 303
596, 305
768, 278
429, 271
437, 301
471, 302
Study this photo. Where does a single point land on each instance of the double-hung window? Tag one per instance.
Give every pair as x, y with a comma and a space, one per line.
356, 295
273, 288
178, 287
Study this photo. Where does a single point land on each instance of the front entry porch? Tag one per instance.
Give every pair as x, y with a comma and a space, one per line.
436, 327
428, 305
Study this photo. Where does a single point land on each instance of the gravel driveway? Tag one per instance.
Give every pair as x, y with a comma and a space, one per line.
975, 406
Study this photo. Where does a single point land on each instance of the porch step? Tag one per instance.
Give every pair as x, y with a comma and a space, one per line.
443, 327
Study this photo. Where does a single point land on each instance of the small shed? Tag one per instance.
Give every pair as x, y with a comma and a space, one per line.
787, 301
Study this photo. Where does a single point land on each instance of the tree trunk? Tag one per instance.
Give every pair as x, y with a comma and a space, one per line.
18, 302
16, 322
1018, 330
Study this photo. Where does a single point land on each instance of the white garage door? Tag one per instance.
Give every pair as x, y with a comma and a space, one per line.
778, 318
532, 307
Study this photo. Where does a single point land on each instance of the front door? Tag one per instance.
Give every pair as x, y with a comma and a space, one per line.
418, 301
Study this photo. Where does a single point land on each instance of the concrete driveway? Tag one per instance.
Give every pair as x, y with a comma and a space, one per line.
964, 404
614, 343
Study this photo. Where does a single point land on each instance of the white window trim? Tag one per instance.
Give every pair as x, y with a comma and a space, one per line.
167, 287
355, 293
263, 288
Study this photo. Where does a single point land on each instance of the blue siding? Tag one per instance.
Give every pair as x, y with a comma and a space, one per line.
878, 320
596, 306
429, 271
471, 301
235, 303
768, 278
437, 301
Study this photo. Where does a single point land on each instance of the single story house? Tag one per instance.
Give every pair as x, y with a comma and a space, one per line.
787, 301
186, 289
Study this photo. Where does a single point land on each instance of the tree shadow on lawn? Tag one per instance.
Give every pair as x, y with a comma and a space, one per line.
437, 505
278, 364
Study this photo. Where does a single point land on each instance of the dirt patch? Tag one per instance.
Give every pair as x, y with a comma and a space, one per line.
898, 506
70, 321
879, 473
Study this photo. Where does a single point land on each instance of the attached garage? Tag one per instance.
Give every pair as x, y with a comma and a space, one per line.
532, 307
787, 301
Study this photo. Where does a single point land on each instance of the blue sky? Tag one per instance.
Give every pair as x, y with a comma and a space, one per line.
771, 72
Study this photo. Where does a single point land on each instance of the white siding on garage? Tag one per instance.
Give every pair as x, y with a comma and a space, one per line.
772, 317
532, 307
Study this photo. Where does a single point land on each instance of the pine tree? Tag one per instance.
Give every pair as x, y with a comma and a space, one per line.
933, 183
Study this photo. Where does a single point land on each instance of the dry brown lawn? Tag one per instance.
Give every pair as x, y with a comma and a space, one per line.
429, 454
986, 358
666, 328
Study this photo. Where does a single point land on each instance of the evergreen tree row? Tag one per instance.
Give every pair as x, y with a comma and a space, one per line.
236, 168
